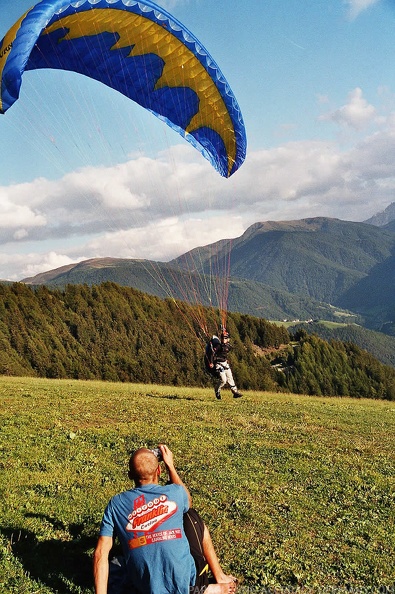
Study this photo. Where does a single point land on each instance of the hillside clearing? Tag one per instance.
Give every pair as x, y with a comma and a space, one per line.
298, 491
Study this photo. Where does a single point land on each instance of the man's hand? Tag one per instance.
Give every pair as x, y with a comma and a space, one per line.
167, 456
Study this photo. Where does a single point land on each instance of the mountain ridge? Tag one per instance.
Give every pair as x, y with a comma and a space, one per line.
381, 219
318, 262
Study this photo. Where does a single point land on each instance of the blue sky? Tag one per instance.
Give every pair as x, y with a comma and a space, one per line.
85, 173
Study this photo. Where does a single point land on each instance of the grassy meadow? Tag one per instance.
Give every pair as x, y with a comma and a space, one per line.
298, 492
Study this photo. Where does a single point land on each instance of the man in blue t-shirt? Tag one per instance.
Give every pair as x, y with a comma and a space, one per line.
149, 522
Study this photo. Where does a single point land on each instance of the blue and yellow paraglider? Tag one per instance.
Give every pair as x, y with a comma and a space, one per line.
141, 51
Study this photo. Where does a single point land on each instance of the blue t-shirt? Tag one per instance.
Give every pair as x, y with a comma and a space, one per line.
148, 521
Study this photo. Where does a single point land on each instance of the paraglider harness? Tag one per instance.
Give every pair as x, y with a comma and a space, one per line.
215, 356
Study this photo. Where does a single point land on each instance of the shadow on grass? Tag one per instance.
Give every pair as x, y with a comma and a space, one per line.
170, 396
63, 566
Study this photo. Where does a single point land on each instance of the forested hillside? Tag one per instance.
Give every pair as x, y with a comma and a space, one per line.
381, 345
119, 334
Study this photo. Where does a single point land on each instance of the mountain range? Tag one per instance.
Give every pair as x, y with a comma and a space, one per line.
349, 265
310, 269
277, 269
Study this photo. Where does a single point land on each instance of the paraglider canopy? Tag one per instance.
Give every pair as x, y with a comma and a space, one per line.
141, 51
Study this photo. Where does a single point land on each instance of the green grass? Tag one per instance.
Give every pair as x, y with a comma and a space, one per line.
298, 492
332, 325
325, 323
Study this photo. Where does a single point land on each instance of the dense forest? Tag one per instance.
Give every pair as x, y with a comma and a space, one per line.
381, 345
116, 333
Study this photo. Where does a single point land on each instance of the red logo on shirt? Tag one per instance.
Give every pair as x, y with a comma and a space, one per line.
149, 516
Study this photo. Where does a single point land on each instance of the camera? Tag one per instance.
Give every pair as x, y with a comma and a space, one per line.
157, 453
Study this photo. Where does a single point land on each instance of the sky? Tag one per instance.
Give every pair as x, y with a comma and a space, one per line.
86, 173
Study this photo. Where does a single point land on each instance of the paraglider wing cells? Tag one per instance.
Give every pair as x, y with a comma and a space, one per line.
142, 52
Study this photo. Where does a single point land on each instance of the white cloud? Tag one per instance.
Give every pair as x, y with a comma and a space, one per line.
355, 7
357, 113
166, 239
14, 215
30, 264
159, 208
20, 234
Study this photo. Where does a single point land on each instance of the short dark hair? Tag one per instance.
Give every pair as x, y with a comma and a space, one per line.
143, 464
